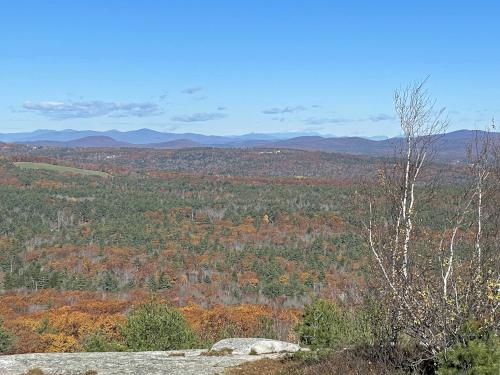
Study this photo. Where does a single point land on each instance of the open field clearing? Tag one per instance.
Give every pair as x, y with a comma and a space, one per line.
59, 168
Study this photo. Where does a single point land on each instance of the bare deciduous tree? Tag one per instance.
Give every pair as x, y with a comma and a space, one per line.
435, 277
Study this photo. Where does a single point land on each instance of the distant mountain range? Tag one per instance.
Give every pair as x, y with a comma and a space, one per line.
451, 145
148, 136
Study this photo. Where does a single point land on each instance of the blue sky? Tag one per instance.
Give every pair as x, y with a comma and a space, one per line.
234, 67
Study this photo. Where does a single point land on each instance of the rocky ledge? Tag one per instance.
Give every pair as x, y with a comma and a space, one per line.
224, 354
255, 346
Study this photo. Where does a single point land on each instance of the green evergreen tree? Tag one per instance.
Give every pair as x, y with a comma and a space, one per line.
154, 326
6, 339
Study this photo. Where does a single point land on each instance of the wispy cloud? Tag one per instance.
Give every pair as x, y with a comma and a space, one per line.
85, 109
326, 120
221, 108
282, 110
380, 117
198, 117
345, 120
192, 90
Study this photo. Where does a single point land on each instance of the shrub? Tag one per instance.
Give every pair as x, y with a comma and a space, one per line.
479, 356
6, 339
99, 342
372, 323
153, 326
326, 325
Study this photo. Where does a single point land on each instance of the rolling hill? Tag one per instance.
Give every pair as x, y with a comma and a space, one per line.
450, 146
90, 141
176, 144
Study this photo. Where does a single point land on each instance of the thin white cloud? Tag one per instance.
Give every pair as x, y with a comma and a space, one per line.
344, 120
283, 110
380, 117
326, 120
85, 109
192, 90
199, 117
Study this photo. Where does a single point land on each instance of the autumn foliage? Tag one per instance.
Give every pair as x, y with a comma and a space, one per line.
51, 321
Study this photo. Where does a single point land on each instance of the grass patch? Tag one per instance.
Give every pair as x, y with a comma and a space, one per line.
177, 354
261, 367
35, 371
38, 371
345, 362
59, 168
218, 353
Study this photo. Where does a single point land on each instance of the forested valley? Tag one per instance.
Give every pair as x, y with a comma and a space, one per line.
239, 241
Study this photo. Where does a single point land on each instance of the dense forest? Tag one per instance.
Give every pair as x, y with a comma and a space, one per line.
208, 239
191, 238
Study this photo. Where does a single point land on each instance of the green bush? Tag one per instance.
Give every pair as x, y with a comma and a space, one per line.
6, 339
326, 325
153, 326
372, 323
480, 356
98, 342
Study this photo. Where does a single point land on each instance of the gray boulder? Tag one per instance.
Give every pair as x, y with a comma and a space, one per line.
255, 346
